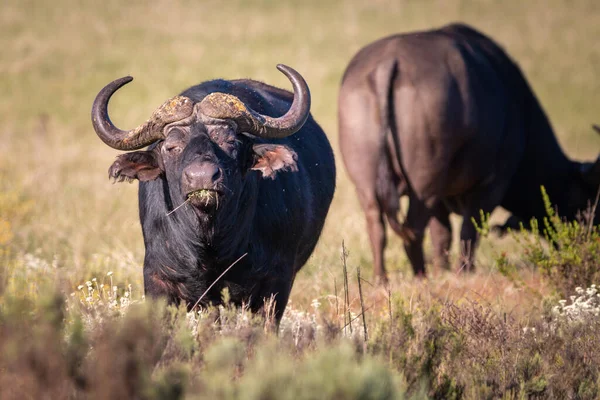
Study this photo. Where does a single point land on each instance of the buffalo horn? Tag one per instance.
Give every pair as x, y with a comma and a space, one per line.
172, 110
225, 106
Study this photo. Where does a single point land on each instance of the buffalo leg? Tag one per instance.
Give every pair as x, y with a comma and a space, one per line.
468, 243
469, 239
416, 220
377, 234
279, 290
483, 200
362, 132
441, 236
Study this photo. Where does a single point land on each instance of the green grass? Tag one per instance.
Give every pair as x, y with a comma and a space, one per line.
62, 222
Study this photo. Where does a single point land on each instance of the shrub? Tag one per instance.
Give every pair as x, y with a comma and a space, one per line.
573, 258
566, 253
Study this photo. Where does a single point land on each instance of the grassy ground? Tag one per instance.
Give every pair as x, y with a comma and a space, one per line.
63, 223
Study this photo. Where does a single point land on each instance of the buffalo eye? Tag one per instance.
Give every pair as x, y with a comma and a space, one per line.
230, 144
174, 143
172, 148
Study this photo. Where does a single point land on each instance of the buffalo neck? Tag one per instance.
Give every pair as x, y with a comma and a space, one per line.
227, 235
187, 248
543, 163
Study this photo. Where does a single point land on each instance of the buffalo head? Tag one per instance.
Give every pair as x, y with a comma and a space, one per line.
203, 149
584, 188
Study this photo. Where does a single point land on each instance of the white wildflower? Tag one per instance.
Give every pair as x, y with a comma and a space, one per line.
581, 308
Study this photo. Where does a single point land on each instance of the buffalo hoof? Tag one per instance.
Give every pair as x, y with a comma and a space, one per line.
420, 275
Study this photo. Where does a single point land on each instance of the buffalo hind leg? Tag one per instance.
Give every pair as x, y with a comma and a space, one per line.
416, 220
441, 237
376, 231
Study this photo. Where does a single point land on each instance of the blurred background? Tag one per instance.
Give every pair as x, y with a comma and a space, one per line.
64, 220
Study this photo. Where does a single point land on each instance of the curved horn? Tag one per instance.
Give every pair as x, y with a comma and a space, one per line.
226, 106
174, 109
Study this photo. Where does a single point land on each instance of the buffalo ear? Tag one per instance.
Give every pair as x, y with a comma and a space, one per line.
590, 172
141, 165
272, 158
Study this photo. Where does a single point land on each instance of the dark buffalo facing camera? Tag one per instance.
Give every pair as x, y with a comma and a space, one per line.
237, 173
447, 118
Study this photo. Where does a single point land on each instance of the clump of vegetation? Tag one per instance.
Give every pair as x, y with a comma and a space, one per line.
153, 351
573, 256
566, 253
468, 350
583, 306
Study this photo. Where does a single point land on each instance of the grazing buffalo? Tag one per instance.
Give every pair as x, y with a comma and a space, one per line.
446, 117
237, 173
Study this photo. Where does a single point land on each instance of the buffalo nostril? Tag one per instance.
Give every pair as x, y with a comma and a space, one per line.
216, 175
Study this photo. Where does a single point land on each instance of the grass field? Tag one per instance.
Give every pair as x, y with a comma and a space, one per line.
62, 222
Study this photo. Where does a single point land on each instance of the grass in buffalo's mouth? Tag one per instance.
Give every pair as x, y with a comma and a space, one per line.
204, 195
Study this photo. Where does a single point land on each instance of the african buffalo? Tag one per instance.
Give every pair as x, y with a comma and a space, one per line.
237, 173
446, 117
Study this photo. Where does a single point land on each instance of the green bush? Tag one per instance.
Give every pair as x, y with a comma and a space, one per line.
570, 256
566, 253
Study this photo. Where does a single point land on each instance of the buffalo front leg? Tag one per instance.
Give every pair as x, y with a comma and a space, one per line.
441, 236
271, 300
482, 201
468, 243
161, 282
416, 220
469, 239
